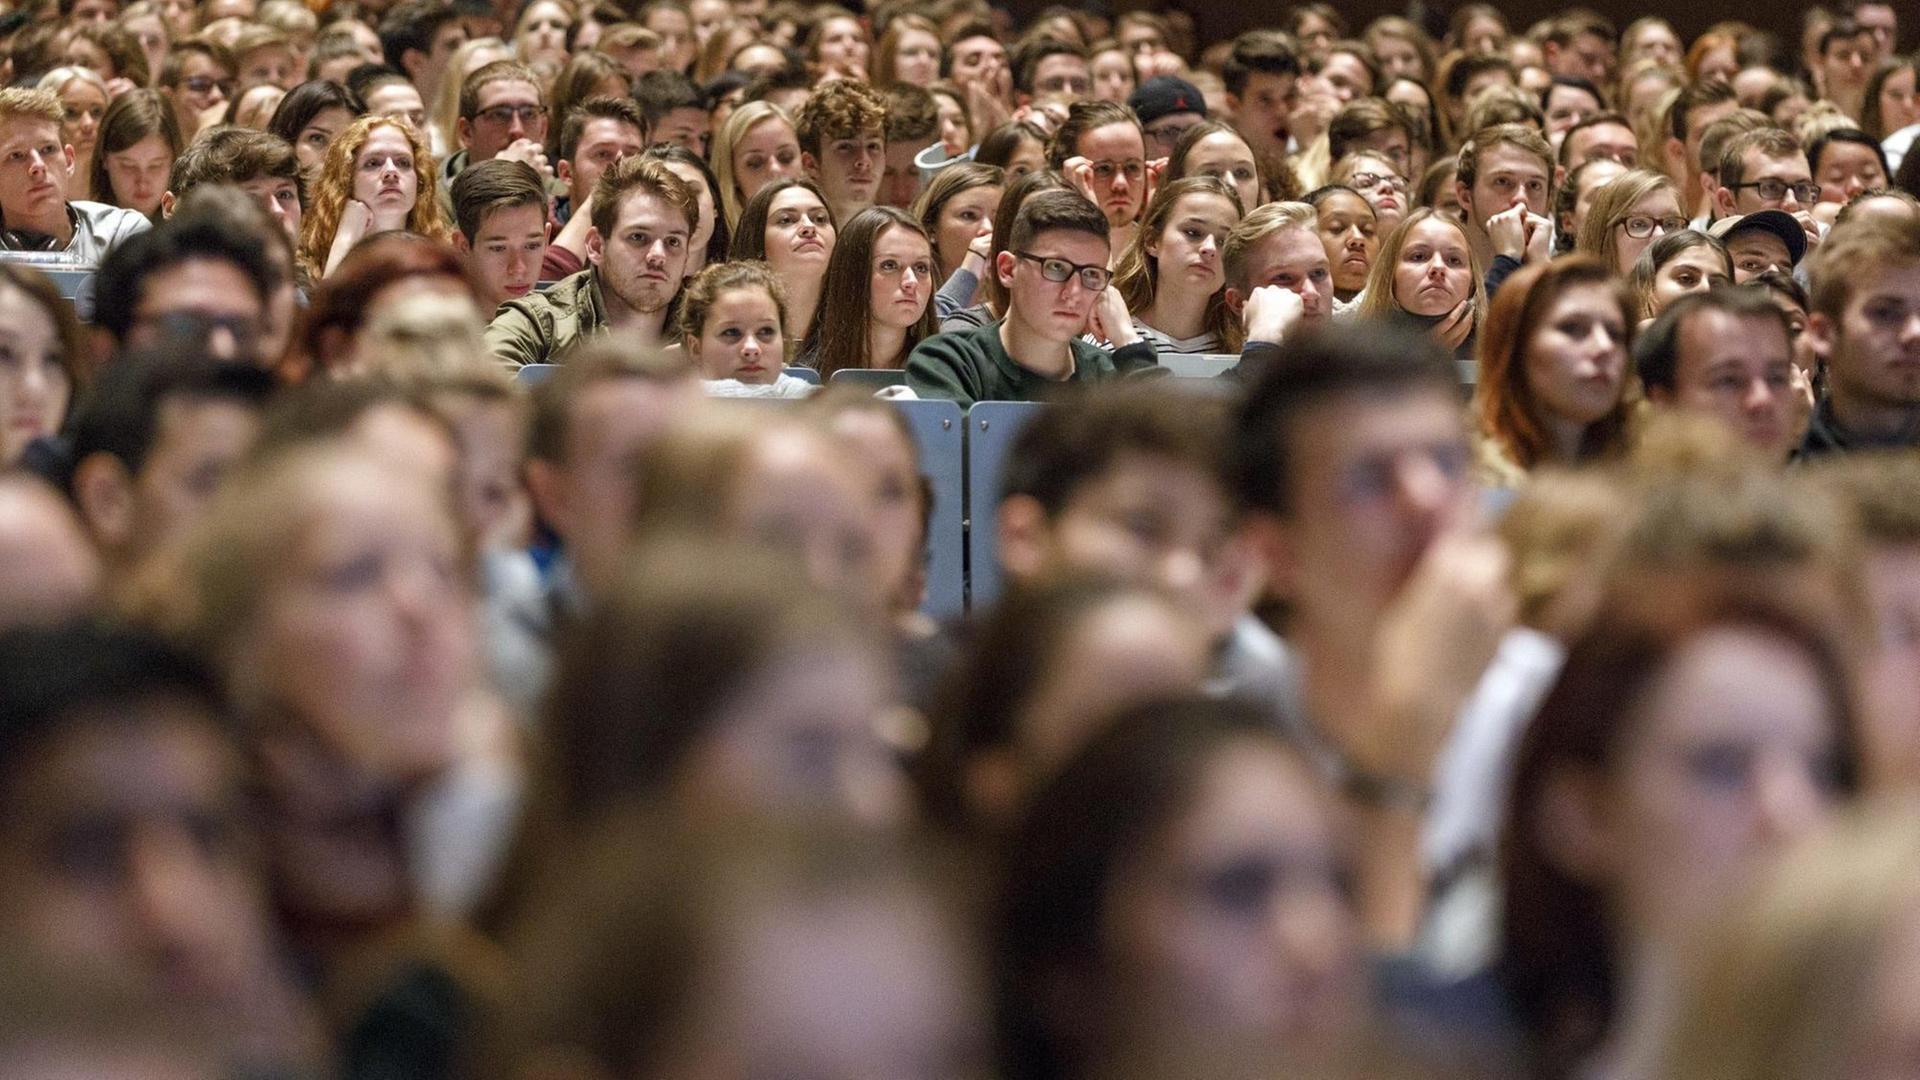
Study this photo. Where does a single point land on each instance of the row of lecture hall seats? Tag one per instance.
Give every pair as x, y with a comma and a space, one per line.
964, 458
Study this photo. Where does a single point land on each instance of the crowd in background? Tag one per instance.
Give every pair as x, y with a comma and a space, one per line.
1460, 605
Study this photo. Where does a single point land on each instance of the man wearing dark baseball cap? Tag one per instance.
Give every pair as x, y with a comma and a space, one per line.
1761, 241
1167, 106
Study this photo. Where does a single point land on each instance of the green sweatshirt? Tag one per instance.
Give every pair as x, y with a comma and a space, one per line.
972, 365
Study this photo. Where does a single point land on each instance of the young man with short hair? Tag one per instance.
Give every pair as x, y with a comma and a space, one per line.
1698, 105
387, 91
1167, 105
1276, 246
418, 37
1866, 319
500, 216
1354, 462
599, 133
1726, 353
1602, 135
263, 56
1766, 169
842, 131
1760, 242
1847, 53
197, 77
673, 110
1262, 74
1581, 44
1505, 188
913, 125
153, 443
1128, 482
262, 165
1371, 123
131, 840
642, 217
1714, 140
1101, 150
1055, 273
503, 113
1048, 69
193, 278
591, 423
36, 170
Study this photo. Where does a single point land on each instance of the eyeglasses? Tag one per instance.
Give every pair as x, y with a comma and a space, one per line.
1134, 170
1169, 136
1092, 278
506, 114
200, 84
1367, 180
1774, 190
1642, 227
1065, 84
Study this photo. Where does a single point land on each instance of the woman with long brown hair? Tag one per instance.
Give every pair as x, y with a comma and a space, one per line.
876, 302
1690, 735
1171, 276
1554, 358
139, 139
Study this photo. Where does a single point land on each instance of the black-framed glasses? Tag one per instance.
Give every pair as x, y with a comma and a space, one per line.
200, 84
1058, 271
1642, 227
1169, 136
1773, 189
506, 114
1365, 180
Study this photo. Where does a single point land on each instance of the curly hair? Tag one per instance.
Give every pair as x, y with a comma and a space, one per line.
840, 109
333, 188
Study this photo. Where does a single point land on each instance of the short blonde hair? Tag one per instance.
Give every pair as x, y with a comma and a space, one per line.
19, 103
1256, 227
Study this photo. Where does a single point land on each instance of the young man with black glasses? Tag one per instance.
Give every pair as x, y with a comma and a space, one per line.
1056, 277
1766, 169
503, 114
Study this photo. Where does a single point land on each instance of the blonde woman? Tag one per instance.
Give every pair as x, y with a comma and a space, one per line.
83, 102
756, 146
1629, 213
377, 177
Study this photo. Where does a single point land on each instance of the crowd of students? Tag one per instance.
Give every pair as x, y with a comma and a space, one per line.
1461, 608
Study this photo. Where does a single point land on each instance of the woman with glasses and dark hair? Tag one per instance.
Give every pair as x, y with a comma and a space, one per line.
1628, 213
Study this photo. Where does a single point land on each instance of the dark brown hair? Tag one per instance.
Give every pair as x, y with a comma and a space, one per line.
838, 338
1558, 956
1504, 401
132, 117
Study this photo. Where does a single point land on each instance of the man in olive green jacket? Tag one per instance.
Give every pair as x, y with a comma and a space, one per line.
637, 254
